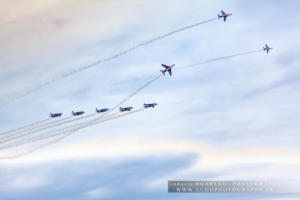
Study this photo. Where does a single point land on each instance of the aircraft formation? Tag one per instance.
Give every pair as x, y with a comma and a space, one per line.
35, 132
102, 110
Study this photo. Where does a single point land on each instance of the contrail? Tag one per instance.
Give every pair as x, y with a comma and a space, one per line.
12, 137
24, 127
46, 135
103, 117
134, 93
147, 84
7, 139
33, 150
30, 128
104, 60
219, 58
66, 130
66, 134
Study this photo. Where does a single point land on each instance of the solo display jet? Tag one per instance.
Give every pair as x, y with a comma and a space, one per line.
267, 48
167, 69
224, 15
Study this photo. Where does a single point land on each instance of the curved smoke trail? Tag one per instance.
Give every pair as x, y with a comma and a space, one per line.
144, 86
24, 127
63, 136
12, 137
30, 128
67, 130
134, 93
124, 52
46, 135
219, 58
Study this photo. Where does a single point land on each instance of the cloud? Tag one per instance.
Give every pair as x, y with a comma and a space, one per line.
239, 117
209, 158
98, 193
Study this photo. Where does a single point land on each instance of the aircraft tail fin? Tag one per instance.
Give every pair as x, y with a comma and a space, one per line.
73, 112
219, 16
162, 71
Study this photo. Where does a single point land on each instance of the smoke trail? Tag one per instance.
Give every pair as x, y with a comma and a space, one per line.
12, 137
34, 149
101, 117
24, 127
157, 77
66, 134
29, 128
124, 52
134, 93
67, 130
47, 136
219, 58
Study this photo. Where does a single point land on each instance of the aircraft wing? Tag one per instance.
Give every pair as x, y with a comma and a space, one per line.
223, 13
225, 19
170, 72
267, 46
165, 66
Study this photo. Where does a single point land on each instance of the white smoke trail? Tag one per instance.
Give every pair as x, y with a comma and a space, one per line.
16, 136
24, 127
44, 136
30, 128
124, 52
219, 58
63, 136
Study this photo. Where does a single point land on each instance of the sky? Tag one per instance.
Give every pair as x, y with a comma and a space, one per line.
233, 119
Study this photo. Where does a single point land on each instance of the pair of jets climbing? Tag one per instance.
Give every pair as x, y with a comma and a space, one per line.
224, 15
169, 68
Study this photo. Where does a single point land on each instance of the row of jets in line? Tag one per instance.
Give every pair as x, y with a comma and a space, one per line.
122, 109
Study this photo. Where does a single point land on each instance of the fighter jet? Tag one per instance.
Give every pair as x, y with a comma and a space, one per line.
149, 105
78, 113
167, 69
53, 115
125, 109
267, 48
101, 110
224, 15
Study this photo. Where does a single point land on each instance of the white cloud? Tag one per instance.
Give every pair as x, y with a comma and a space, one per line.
98, 193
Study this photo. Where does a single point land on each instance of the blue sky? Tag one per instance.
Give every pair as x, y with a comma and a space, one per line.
235, 119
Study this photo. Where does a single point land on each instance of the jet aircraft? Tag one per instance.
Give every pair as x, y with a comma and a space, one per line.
167, 69
224, 15
78, 113
101, 110
125, 109
149, 105
267, 48
53, 115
